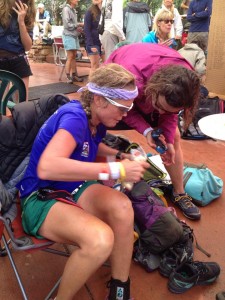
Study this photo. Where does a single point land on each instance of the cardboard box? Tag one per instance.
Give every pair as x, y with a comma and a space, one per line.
215, 74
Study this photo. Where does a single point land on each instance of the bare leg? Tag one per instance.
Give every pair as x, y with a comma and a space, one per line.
70, 66
26, 82
176, 170
95, 60
68, 224
115, 209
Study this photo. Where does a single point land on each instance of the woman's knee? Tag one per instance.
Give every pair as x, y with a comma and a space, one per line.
122, 210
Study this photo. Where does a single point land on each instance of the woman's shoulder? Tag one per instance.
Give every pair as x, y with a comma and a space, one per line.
150, 37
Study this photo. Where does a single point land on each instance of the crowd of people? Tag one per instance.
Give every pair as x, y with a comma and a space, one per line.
145, 79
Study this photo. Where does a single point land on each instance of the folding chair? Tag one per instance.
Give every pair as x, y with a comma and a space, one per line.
56, 46
10, 84
13, 239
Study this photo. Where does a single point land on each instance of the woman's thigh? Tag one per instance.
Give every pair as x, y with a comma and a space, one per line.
66, 223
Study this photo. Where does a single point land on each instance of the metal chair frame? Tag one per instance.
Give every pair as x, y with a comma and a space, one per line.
24, 243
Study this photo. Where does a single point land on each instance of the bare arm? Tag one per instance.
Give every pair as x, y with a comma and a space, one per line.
21, 10
55, 163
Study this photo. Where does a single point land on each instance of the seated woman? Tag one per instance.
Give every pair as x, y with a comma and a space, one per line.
99, 220
161, 30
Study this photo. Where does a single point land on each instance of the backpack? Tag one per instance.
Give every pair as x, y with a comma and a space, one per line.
159, 230
157, 226
201, 184
207, 106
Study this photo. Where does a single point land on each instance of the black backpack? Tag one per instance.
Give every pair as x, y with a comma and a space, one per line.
207, 106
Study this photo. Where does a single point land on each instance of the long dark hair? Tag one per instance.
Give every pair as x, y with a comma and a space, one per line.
95, 11
179, 85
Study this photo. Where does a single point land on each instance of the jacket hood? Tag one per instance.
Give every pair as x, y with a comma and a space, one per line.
138, 7
191, 46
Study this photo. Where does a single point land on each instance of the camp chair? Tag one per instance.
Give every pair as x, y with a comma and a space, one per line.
13, 239
56, 46
10, 84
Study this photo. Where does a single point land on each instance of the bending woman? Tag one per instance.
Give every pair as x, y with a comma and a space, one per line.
104, 225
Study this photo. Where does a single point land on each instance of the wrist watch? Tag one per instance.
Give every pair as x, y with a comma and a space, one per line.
119, 155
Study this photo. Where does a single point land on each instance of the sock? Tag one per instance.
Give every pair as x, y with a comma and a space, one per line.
119, 290
176, 194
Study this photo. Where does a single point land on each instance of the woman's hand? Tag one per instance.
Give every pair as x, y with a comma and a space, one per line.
134, 169
151, 141
93, 49
21, 10
167, 43
168, 157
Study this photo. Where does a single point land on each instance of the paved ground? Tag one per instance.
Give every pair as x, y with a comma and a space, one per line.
40, 270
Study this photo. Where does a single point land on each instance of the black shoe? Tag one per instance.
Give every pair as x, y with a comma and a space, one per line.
76, 78
118, 289
69, 80
181, 252
184, 202
220, 296
188, 275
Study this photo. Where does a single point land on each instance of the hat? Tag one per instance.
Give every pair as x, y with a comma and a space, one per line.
41, 5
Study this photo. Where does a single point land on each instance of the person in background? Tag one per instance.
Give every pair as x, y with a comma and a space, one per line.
184, 6
16, 26
99, 219
194, 54
138, 13
43, 21
92, 42
166, 84
198, 15
113, 33
70, 40
161, 32
177, 27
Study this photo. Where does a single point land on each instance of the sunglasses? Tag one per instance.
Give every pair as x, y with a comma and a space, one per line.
167, 21
123, 108
159, 106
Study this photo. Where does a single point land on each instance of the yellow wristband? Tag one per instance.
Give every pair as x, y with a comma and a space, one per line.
122, 172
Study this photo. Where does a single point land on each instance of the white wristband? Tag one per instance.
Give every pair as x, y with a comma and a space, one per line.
103, 176
114, 170
147, 131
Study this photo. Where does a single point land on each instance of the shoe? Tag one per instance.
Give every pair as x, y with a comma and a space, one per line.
184, 202
118, 290
220, 296
76, 78
69, 80
190, 274
176, 255
168, 263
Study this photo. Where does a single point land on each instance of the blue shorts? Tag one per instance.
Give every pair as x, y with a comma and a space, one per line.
90, 52
70, 42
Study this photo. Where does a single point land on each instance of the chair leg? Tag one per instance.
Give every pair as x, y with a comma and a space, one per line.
61, 73
14, 268
53, 290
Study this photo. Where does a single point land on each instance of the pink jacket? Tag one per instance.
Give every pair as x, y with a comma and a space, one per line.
143, 60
